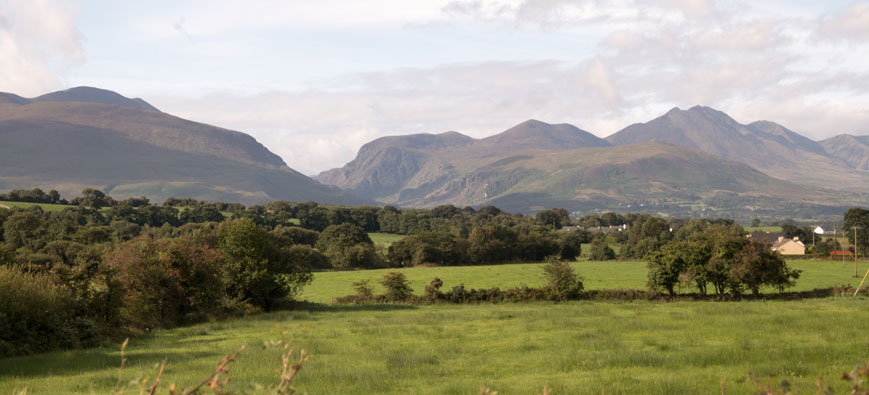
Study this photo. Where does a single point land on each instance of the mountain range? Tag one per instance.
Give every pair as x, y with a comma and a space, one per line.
680, 163
89, 137
698, 161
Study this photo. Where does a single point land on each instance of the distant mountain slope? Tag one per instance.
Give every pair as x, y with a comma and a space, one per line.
766, 146
533, 134
130, 151
536, 165
86, 94
854, 150
383, 166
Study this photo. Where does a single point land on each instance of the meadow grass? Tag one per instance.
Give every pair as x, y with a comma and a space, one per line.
597, 275
576, 347
384, 239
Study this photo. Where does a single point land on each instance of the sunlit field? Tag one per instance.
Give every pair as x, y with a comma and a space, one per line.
597, 275
576, 347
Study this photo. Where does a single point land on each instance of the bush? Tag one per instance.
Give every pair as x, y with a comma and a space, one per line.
570, 244
347, 246
308, 257
600, 251
255, 268
37, 315
561, 281
298, 235
168, 282
363, 288
397, 287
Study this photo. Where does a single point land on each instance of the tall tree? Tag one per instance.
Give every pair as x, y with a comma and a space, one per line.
858, 218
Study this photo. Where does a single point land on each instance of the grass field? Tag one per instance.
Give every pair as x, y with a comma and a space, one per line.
762, 228
385, 239
577, 347
45, 206
597, 275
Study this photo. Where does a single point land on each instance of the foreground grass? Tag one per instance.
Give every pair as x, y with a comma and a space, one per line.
597, 275
579, 347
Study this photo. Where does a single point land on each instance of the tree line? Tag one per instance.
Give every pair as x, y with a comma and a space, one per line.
105, 268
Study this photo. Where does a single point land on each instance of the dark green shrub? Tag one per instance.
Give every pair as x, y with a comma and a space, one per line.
562, 283
570, 243
600, 251
168, 282
305, 256
433, 290
363, 288
347, 246
255, 269
397, 287
36, 315
297, 235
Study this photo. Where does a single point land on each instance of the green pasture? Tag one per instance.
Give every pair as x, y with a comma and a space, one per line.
571, 348
597, 275
385, 239
770, 229
44, 206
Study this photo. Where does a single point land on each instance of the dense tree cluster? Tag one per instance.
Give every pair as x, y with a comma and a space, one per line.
34, 195
718, 255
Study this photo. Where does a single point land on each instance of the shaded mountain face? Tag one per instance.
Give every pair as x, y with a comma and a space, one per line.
853, 150
384, 166
766, 146
130, 149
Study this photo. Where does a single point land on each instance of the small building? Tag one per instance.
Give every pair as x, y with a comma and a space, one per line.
789, 246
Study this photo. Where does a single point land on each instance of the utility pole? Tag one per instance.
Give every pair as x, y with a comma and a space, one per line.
855, 253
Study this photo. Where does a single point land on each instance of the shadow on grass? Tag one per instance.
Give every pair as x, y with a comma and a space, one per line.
310, 306
74, 361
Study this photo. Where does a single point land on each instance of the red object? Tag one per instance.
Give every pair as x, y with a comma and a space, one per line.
832, 253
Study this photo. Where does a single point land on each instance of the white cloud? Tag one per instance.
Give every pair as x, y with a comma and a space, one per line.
851, 24
206, 18
318, 129
39, 41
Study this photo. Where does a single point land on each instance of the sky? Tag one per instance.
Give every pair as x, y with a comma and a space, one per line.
315, 80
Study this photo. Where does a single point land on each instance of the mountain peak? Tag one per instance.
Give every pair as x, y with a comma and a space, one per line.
87, 94
533, 134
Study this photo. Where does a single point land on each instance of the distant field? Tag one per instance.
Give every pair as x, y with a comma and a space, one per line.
45, 207
385, 239
762, 229
577, 347
597, 275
